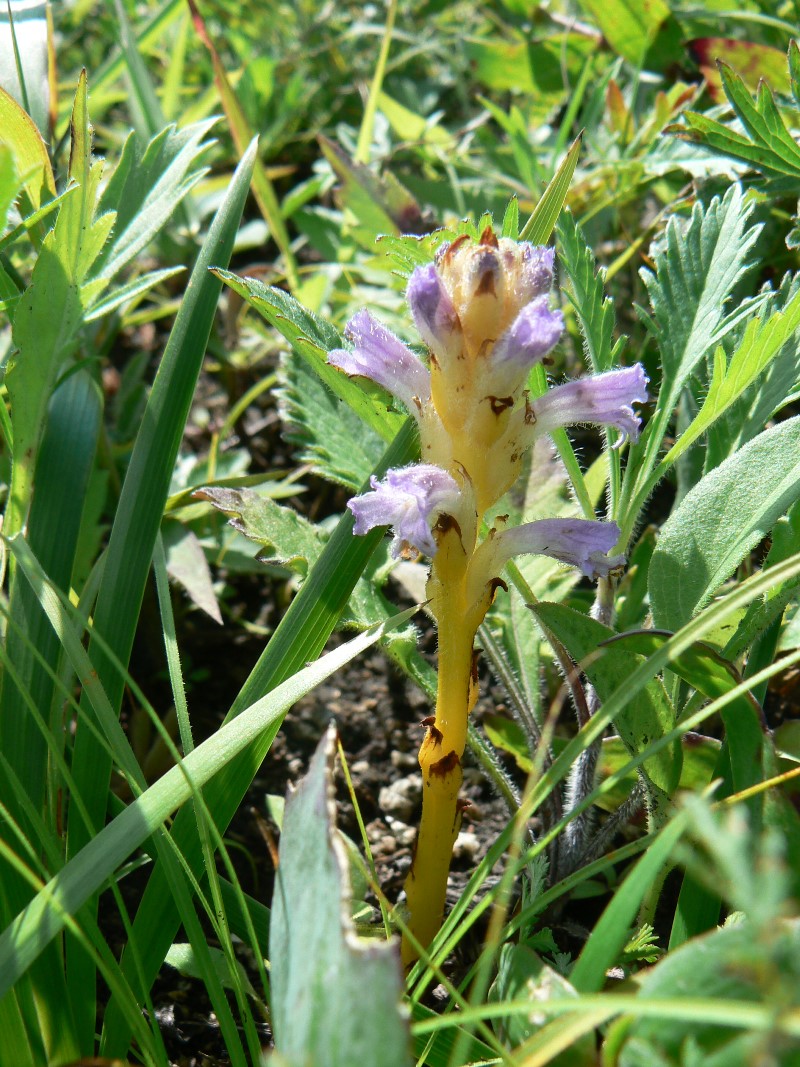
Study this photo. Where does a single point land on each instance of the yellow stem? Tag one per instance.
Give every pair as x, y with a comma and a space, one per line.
440, 754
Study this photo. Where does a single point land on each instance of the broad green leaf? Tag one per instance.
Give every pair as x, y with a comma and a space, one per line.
533, 68
647, 719
312, 338
700, 665
18, 131
697, 766
335, 997
327, 434
629, 26
720, 521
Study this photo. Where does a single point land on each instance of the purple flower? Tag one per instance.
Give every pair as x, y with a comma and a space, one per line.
379, 355
602, 399
433, 311
409, 499
581, 543
529, 338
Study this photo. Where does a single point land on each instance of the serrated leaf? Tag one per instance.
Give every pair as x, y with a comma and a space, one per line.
287, 539
695, 275
146, 187
328, 434
650, 718
335, 997
767, 144
720, 521
771, 390
594, 309
761, 343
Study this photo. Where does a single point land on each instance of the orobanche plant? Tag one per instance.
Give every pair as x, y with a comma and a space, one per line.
483, 310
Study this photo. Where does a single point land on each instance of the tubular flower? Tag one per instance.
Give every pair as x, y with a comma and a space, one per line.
581, 543
603, 400
379, 355
482, 308
408, 499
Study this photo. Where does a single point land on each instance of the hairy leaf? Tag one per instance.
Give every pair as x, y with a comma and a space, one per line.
695, 274
720, 521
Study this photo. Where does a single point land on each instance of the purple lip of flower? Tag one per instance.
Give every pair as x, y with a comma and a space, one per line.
581, 543
529, 338
379, 355
409, 499
602, 399
433, 312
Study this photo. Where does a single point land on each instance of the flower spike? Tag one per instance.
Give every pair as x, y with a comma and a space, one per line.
482, 308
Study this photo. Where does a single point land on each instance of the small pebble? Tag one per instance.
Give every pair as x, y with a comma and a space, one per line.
466, 847
401, 799
404, 761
